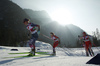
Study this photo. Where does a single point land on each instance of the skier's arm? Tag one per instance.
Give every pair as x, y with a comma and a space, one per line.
91, 39
38, 27
29, 35
59, 40
80, 38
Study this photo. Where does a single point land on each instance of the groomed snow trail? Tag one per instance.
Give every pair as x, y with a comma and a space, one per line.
64, 57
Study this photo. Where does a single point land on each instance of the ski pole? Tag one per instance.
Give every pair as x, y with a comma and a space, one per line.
95, 46
81, 43
45, 36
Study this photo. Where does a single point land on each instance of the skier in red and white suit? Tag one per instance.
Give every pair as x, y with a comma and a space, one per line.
88, 44
56, 42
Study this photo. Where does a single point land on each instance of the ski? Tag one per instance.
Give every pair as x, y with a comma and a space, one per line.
29, 53
38, 54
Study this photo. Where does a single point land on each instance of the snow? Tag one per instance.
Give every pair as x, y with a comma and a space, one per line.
64, 57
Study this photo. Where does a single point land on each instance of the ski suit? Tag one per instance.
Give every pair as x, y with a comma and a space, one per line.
56, 41
32, 28
87, 42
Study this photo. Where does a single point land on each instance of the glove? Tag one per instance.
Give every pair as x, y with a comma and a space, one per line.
38, 32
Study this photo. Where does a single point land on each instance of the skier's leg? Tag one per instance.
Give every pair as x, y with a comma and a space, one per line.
86, 52
54, 46
90, 45
30, 44
86, 48
54, 52
89, 51
92, 52
33, 42
34, 37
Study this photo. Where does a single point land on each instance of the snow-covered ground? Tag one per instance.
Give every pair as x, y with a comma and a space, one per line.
64, 57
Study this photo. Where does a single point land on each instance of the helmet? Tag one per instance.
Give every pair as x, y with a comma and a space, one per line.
26, 20
84, 32
52, 33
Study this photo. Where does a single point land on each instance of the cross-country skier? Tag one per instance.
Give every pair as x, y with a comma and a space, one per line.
56, 42
87, 44
34, 36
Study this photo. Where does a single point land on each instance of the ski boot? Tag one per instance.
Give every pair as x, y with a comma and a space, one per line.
53, 54
32, 52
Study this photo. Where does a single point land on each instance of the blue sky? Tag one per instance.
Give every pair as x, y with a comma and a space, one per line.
85, 13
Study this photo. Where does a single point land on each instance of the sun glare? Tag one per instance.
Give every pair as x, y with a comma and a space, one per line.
62, 16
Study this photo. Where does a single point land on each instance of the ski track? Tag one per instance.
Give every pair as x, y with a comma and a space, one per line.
64, 57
